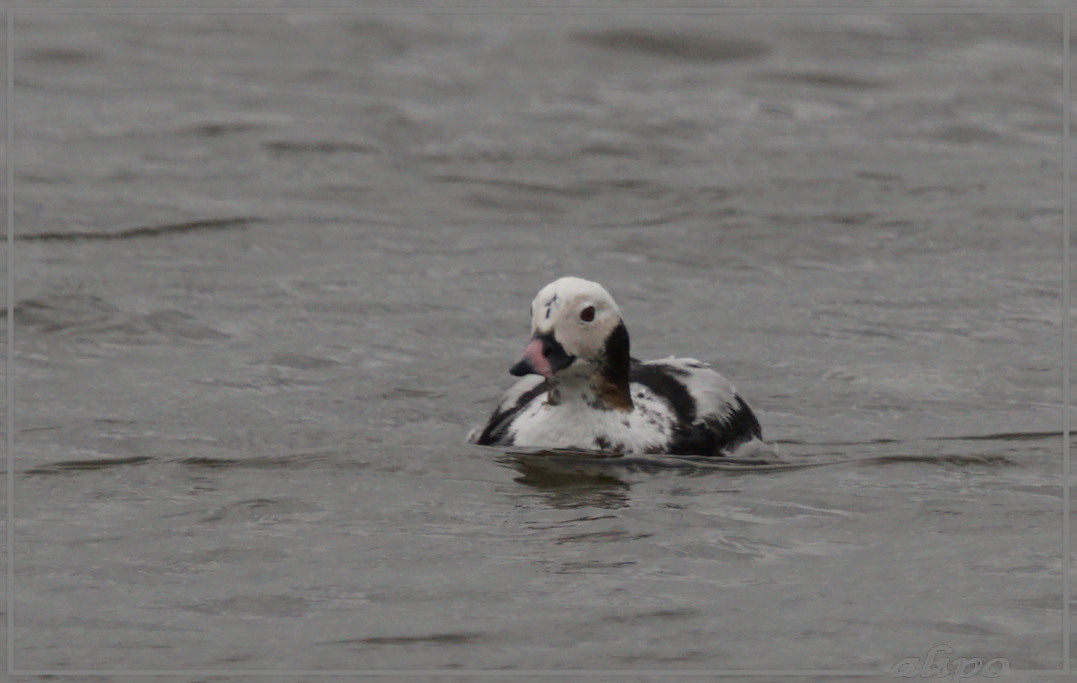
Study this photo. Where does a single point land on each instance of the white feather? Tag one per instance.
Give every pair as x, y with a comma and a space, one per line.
647, 428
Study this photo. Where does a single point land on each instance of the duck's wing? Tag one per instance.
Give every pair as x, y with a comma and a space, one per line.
712, 419
497, 431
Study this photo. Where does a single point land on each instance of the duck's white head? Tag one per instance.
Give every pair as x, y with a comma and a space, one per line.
576, 331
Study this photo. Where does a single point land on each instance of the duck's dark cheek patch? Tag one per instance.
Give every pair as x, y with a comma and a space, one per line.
555, 354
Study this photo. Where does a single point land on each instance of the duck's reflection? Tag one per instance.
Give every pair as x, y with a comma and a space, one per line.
568, 483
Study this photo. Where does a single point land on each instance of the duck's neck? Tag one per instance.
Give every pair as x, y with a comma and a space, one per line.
607, 387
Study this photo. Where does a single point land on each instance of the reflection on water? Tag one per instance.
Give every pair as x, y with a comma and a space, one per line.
566, 491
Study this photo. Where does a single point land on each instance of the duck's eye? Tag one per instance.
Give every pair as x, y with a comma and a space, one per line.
587, 314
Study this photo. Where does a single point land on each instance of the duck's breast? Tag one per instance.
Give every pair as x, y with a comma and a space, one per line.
647, 428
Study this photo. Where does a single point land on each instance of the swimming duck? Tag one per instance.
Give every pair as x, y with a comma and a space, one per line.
581, 388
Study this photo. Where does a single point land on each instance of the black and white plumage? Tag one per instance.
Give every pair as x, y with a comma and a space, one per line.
582, 389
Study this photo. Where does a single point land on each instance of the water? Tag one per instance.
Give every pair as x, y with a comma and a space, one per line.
272, 269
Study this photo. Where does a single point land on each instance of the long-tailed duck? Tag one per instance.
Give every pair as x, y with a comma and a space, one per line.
581, 389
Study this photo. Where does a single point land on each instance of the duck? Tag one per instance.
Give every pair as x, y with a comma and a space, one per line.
581, 389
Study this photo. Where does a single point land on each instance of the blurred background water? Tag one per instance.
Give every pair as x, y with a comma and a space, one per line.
272, 269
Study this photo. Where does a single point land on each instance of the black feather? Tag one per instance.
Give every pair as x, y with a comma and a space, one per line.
496, 432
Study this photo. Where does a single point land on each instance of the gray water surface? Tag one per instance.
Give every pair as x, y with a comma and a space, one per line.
272, 269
